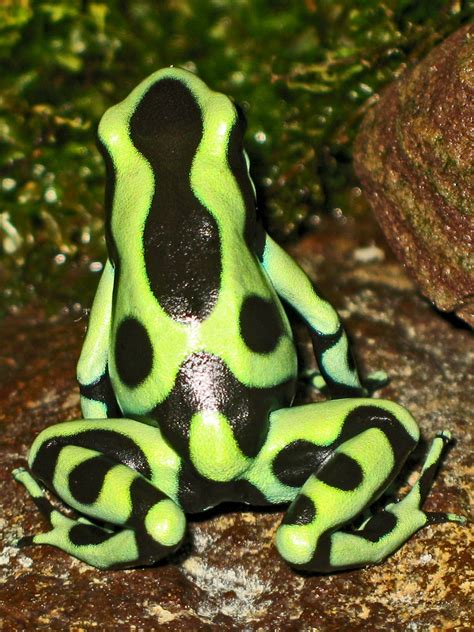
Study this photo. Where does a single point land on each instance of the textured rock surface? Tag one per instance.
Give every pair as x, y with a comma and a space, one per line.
415, 155
229, 576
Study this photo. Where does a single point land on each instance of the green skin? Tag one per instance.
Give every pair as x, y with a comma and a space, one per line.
188, 369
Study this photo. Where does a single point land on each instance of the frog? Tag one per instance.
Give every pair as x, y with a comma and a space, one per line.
188, 370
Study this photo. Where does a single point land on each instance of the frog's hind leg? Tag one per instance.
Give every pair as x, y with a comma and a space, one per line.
107, 471
333, 460
314, 534
385, 531
55, 517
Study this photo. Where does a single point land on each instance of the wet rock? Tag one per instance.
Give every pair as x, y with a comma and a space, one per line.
414, 155
229, 576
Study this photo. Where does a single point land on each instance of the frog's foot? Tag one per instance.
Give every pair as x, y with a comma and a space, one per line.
154, 528
375, 381
61, 524
24, 477
314, 379
421, 489
142, 523
318, 542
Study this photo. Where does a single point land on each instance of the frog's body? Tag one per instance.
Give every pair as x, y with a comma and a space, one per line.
189, 368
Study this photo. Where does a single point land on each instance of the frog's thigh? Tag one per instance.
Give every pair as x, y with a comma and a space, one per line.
103, 470
301, 438
347, 451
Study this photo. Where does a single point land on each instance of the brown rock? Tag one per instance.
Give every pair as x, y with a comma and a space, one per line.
229, 575
415, 155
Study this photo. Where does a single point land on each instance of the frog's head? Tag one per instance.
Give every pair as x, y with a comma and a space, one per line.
184, 131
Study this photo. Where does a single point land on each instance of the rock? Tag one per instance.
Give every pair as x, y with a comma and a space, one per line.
229, 575
414, 155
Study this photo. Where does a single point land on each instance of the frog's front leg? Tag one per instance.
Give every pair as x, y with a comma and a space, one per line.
97, 396
107, 471
339, 375
338, 457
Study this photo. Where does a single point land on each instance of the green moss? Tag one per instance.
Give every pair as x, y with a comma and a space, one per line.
305, 71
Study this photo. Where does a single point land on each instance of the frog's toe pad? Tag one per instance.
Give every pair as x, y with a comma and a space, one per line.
446, 436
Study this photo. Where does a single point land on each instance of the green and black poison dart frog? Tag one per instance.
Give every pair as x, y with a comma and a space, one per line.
188, 369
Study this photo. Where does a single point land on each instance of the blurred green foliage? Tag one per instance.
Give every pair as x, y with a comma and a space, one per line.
304, 70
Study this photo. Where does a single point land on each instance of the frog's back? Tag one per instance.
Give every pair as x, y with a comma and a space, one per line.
197, 325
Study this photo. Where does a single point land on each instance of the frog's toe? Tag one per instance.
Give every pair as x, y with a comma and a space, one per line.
438, 517
430, 466
21, 475
413, 502
26, 540
32, 487
58, 523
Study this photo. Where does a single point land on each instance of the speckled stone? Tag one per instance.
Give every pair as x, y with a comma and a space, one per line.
414, 155
229, 575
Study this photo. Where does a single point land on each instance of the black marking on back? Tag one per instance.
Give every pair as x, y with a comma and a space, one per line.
102, 391
342, 472
181, 239
133, 352
350, 357
205, 383
301, 511
86, 479
238, 166
297, 460
260, 324
114, 445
